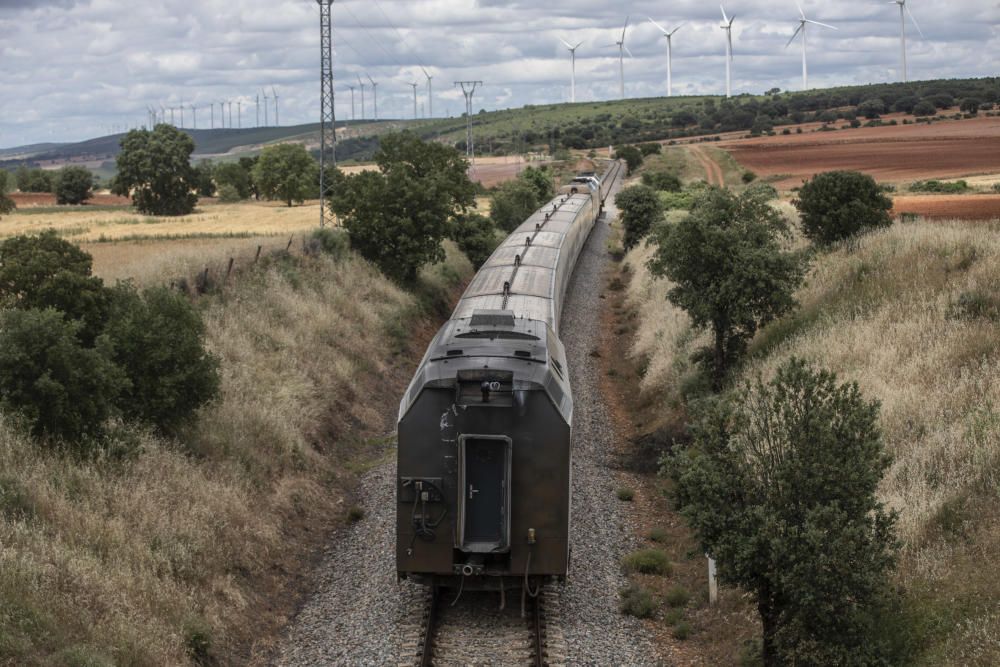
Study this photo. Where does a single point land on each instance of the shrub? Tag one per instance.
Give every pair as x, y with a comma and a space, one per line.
648, 561
541, 180
355, 514
198, 641
682, 630
625, 494
839, 204
673, 616
924, 108
228, 194
650, 149
765, 191
476, 236
996, 188
33, 180
748, 177
951, 187
332, 242
60, 389
158, 339
637, 601
205, 178
662, 181
234, 176
678, 596
640, 209
872, 108
73, 185
658, 535
975, 305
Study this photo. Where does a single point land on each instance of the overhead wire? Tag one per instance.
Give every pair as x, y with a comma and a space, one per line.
372, 37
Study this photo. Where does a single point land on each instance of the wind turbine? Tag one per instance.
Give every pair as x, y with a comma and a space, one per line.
902, 30
430, 93
572, 51
266, 98
622, 50
374, 94
414, 99
670, 54
277, 121
362, 84
802, 28
194, 114
354, 109
727, 25
258, 109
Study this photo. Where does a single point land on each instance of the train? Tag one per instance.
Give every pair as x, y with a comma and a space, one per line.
485, 426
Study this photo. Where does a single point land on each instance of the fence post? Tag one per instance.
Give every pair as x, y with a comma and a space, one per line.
229, 270
257, 258
713, 583
289, 246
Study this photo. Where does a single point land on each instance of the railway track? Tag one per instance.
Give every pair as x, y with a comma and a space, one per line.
474, 630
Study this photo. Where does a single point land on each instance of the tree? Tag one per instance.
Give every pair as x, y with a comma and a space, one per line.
154, 168
779, 485
476, 236
74, 186
45, 271
970, 105
398, 216
33, 180
906, 103
631, 155
7, 204
235, 175
61, 389
512, 203
248, 164
924, 108
287, 172
872, 108
541, 180
729, 270
158, 339
839, 204
205, 178
640, 209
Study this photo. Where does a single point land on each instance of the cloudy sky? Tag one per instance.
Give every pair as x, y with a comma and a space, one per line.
74, 69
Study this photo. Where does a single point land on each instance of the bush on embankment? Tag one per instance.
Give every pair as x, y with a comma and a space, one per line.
909, 313
177, 550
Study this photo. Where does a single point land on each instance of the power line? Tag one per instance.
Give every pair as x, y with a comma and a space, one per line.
373, 38
395, 29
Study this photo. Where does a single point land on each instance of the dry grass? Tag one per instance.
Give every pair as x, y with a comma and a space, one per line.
118, 561
886, 314
247, 218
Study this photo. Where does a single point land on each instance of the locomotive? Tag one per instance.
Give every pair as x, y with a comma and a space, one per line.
485, 427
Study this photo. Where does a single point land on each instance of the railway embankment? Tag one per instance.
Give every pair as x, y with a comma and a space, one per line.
196, 549
912, 314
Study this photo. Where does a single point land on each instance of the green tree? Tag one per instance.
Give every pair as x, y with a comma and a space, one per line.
640, 209
839, 204
45, 271
235, 175
512, 203
780, 485
61, 389
7, 204
631, 155
924, 108
248, 164
398, 216
158, 340
729, 270
872, 108
154, 168
541, 180
970, 105
33, 180
476, 236
286, 172
74, 186
205, 178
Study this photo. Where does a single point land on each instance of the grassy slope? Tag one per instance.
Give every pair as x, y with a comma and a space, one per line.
884, 314
136, 561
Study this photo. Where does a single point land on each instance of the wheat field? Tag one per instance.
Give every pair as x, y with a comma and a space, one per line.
910, 314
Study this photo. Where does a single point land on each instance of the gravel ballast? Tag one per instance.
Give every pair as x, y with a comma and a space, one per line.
358, 613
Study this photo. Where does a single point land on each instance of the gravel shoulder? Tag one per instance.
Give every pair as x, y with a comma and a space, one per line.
360, 615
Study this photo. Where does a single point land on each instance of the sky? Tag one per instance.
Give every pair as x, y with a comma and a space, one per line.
76, 69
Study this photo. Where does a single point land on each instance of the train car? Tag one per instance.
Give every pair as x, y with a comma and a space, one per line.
485, 427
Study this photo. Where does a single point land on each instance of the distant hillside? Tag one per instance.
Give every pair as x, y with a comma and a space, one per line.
571, 126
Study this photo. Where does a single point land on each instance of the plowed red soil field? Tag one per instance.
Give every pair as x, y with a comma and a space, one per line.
901, 153
965, 207
32, 199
